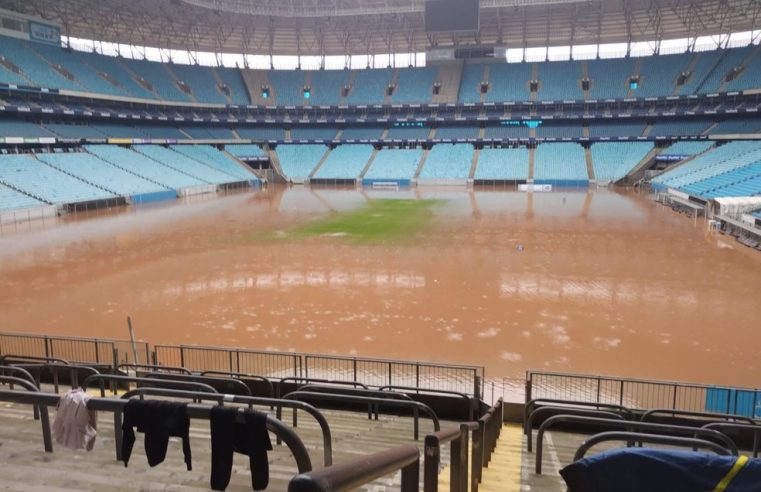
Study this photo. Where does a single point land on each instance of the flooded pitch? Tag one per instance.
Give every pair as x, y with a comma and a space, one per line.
601, 282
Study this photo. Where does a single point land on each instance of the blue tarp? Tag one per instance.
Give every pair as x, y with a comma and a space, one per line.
735, 401
659, 470
154, 197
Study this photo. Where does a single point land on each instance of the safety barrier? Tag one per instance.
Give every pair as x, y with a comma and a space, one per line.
556, 403
81, 349
687, 442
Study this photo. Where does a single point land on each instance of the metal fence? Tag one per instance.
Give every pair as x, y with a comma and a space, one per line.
75, 349
372, 372
632, 393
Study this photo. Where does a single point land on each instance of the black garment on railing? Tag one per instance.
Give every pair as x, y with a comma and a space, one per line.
249, 437
158, 420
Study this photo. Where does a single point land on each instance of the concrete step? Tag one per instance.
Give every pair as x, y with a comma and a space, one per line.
504, 471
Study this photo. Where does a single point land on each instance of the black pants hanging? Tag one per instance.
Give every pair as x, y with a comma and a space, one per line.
158, 420
245, 432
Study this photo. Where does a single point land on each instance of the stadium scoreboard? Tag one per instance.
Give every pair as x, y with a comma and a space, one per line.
451, 15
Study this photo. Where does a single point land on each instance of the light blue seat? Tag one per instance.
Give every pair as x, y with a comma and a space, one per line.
683, 147
612, 161
327, 86
739, 125
261, 133
113, 66
298, 161
163, 131
448, 161
92, 169
159, 77
560, 130
394, 164
560, 162
11, 199
472, 76
246, 151
502, 164
616, 128
184, 164
415, 85
345, 162
706, 61
609, 79
21, 128
658, 74
36, 178
208, 155
233, 79
74, 130
455, 132
369, 86
116, 130
732, 58
74, 62
506, 131
143, 166
509, 82
288, 86
408, 133
559, 80
33, 66
362, 133
208, 132
317, 133
679, 127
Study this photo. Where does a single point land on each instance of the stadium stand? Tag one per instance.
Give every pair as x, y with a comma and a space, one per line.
21, 128
415, 85
362, 133
472, 76
158, 76
327, 85
560, 130
612, 161
448, 161
143, 166
706, 61
734, 126
116, 130
687, 148
33, 66
408, 133
318, 133
37, 179
166, 132
502, 164
455, 132
681, 127
509, 82
208, 132
749, 78
506, 131
246, 151
609, 79
231, 77
201, 82
289, 86
658, 74
262, 133
345, 162
616, 128
561, 164
394, 164
208, 155
11, 199
184, 164
92, 169
119, 73
369, 86
560, 81
298, 161
73, 130
729, 60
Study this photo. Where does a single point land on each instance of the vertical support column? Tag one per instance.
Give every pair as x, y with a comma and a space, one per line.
432, 460
411, 477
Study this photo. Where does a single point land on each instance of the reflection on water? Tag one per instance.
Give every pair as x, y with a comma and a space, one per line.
602, 282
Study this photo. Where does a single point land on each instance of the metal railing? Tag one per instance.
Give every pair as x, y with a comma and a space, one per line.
222, 385
484, 441
753, 429
687, 442
554, 403
640, 394
244, 376
85, 350
200, 358
471, 404
39, 409
544, 412
114, 379
650, 414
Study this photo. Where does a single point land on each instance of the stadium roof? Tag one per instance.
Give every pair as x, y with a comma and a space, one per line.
341, 27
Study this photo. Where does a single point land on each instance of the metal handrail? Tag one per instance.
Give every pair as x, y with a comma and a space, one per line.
650, 439
528, 408
31, 358
27, 375
242, 376
295, 395
566, 411
755, 429
154, 367
629, 426
354, 474
230, 383
327, 439
357, 392
55, 367
706, 415
116, 405
432, 458
468, 399
42, 410
296, 379
165, 383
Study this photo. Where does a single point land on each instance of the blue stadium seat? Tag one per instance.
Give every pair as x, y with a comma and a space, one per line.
612, 161
11, 199
208, 155
369, 86
502, 164
394, 164
288, 86
658, 74
185, 164
560, 81
455, 132
560, 163
448, 161
262, 133
233, 79
201, 81
472, 76
143, 166
298, 161
246, 151
327, 86
345, 162
362, 133
305, 133
408, 133
610, 78
509, 82
158, 75
415, 85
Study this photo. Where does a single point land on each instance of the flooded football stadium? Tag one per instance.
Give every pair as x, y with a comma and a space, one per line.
591, 281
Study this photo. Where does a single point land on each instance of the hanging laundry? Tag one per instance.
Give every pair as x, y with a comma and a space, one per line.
240, 431
158, 420
75, 427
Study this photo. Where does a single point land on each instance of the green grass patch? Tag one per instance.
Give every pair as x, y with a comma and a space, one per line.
378, 221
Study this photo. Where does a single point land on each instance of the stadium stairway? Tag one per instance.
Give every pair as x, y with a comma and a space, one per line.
421, 163
590, 166
220, 83
275, 164
254, 81
504, 471
138, 80
319, 164
369, 162
474, 163
745, 62
639, 170
531, 160
450, 77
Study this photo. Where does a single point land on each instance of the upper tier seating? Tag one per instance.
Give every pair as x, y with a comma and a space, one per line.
394, 164
560, 162
33, 66
182, 163
750, 78
298, 161
369, 86
327, 85
11, 199
320, 133
414, 85
21, 128
612, 161
509, 82
680, 127
266, 133
455, 132
208, 132
472, 75
687, 148
26, 173
729, 60
616, 128
245, 151
610, 78
114, 67
722, 159
143, 166
206, 154
159, 77
408, 133
738, 125
502, 164
560, 130
506, 131
658, 74
345, 162
448, 161
201, 82
232, 78
706, 60
92, 169
288, 86
560, 81
362, 133
73, 130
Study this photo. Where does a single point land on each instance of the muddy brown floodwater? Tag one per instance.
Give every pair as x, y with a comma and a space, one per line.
607, 282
